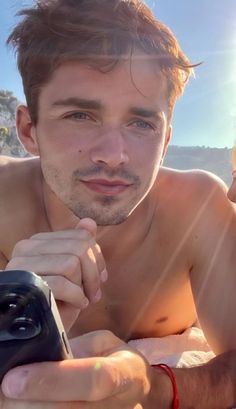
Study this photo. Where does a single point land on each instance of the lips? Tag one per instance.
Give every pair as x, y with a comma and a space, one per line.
106, 187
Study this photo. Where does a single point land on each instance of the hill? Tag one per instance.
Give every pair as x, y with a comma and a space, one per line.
9, 144
216, 160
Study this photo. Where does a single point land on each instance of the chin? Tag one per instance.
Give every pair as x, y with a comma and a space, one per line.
103, 216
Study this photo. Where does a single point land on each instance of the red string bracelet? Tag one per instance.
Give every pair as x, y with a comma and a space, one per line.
170, 373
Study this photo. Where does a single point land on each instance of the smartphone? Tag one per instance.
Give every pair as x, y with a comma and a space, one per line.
31, 329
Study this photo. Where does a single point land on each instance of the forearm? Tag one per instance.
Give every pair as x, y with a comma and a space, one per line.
210, 386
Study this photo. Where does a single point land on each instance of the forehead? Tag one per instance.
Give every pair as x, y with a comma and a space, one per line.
140, 79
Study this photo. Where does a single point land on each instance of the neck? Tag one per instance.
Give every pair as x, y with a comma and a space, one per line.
58, 215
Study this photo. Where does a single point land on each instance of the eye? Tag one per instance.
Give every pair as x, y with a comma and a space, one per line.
142, 124
78, 115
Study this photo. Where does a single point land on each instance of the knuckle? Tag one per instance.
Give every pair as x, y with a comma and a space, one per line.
84, 234
71, 264
108, 335
105, 380
72, 269
104, 337
65, 291
19, 247
37, 236
80, 249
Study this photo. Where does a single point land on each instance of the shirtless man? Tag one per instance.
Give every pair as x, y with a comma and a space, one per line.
126, 245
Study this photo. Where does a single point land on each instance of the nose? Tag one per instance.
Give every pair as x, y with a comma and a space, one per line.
110, 149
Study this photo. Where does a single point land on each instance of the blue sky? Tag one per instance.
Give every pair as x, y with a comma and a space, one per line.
206, 30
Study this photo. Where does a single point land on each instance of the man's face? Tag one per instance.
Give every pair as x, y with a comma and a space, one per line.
101, 136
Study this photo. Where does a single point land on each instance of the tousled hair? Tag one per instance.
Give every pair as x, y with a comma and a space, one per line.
100, 32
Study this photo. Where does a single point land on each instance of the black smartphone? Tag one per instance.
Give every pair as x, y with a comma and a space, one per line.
31, 329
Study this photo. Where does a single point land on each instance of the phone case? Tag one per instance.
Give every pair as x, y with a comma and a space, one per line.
31, 329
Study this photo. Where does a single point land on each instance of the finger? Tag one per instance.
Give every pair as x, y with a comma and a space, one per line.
232, 190
101, 265
90, 276
96, 343
95, 379
81, 234
35, 247
12, 404
66, 291
88, 224
61, 264
68, 313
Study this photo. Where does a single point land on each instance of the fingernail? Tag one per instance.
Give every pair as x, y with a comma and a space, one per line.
97, 296
13, 384
104, 276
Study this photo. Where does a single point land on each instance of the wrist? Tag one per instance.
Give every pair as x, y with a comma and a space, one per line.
161, 391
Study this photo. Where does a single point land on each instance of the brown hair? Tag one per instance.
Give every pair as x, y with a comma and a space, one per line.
101, 32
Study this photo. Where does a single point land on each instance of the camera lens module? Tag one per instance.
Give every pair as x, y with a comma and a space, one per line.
24, 328
9, 303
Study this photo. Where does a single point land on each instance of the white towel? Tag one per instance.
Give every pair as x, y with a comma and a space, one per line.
185, 350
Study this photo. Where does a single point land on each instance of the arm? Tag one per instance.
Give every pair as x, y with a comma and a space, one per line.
213, 278
119, 377
128, 379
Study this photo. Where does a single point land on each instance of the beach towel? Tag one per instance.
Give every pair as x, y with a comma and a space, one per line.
180, 351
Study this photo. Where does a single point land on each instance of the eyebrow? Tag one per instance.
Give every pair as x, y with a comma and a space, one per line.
97, 105
79, 102
146, 113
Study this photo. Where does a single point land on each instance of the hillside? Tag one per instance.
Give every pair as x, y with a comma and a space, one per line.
9, 144
215, 160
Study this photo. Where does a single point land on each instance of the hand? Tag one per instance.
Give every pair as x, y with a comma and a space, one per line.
70, 262
114, 376
6, 403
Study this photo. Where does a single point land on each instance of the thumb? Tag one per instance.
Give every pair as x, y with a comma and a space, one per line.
232, 190
96, 343
88, 224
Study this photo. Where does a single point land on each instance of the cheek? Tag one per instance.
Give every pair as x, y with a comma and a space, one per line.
65, 144
148, 155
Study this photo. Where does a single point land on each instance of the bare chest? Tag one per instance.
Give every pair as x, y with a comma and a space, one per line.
147, 294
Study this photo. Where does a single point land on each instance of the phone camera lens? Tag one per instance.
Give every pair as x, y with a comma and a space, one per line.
9, 303
24, 328
6, 306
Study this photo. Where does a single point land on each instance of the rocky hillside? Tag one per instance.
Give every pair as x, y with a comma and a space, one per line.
9, 144
211, 159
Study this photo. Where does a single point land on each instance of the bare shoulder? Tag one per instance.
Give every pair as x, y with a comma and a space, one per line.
19, 190
17, 176
187, 178
194, 204
17, 167
192, 187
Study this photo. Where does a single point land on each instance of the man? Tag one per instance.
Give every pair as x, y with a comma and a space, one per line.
126, 246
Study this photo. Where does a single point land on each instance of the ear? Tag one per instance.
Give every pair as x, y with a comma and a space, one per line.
167, 141
26, 131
